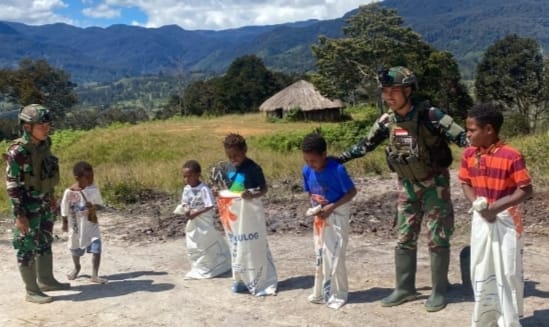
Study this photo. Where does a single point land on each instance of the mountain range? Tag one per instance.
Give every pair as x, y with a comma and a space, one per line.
94, 54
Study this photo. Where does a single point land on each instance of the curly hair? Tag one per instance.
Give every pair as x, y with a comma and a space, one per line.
80, 168
487, 113
235, 141
314, 142
193, 165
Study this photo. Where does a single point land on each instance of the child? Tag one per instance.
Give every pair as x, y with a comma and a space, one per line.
78, 211
207, 250
495, 179
243, 218
329, 186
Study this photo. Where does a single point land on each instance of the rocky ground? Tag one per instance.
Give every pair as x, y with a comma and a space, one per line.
373, 211
144, 261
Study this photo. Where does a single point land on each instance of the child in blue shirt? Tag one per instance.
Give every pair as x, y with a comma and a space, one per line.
330, 187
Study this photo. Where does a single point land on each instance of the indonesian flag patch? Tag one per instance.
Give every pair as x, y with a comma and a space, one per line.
400, 132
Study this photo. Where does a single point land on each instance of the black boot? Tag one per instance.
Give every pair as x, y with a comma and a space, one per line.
440, 260
405, 289
465, 267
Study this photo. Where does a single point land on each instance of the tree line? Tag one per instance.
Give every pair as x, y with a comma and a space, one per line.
512, 71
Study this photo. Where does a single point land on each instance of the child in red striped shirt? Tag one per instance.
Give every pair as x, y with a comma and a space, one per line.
495, 179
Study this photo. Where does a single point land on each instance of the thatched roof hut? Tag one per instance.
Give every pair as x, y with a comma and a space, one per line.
304, 96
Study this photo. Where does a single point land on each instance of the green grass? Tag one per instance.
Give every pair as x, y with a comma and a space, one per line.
131, 158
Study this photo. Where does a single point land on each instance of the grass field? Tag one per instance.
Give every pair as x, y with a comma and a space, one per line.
131, 158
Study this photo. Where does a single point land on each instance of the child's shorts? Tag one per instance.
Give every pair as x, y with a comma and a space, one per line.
94, 247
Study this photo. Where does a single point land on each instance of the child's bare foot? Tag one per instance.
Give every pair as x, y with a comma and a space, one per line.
73, 274
99, 280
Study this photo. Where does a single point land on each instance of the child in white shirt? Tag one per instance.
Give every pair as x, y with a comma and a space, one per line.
207, 249
78, 211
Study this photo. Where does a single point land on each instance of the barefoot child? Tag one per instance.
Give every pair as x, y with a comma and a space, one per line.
495, 180
78, 211
330, 187
207, 249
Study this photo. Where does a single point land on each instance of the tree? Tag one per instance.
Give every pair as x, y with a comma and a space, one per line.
199, 98
544, 95
375, 38
441, 83
38, 82
511, 71
247, 84
242, 89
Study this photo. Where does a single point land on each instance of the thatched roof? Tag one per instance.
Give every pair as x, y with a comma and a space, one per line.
301, 94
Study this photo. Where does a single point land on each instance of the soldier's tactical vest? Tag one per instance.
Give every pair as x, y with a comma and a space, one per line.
45, 166
415, 152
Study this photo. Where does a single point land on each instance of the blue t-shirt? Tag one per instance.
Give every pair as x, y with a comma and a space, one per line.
332, 183
248, 175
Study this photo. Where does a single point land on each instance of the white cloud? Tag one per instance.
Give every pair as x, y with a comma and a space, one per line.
101, 11
189, 14
33, 12
223, 14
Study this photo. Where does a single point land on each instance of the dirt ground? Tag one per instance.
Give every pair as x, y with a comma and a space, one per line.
144, 261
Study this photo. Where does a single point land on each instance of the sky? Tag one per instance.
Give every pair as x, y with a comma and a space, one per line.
188, 14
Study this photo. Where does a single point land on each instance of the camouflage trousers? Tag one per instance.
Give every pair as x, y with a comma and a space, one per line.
427, 201
38, 240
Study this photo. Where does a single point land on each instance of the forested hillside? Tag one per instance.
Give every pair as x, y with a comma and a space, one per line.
465, 28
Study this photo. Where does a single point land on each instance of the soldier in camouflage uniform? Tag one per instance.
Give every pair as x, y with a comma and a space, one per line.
31, 175
419, 154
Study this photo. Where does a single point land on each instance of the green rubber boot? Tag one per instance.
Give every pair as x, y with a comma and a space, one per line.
440, 260
405, 289
44, 270
34, 294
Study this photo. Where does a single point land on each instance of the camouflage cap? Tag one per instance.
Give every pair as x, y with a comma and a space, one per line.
35, 114
396, 76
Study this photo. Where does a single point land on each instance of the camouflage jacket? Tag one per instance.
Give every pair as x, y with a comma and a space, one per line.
31, 175
435, 120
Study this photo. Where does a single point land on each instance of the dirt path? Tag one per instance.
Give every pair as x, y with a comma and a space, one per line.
146, 286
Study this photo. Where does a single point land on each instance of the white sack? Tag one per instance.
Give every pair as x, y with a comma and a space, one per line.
330, 239
252, 262
207, 249
496, 271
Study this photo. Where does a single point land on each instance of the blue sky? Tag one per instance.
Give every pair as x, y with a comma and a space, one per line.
189, 14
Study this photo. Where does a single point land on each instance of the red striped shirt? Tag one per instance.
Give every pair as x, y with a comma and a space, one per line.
494, 172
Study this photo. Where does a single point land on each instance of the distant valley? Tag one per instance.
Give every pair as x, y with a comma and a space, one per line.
465, 28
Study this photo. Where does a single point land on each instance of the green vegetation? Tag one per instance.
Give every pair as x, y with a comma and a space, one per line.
467, 28
130, 160
35, 81
242, 89
512, 71
376, 38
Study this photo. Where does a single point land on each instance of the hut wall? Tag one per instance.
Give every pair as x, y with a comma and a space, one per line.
323, 115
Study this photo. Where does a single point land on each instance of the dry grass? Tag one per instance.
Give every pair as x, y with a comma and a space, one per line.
128, 158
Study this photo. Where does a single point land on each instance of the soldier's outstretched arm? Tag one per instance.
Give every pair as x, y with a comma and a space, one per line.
378, 133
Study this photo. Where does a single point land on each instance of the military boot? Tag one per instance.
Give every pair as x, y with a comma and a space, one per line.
44, 270
405, 288
34, 294
440, 259
465, 267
